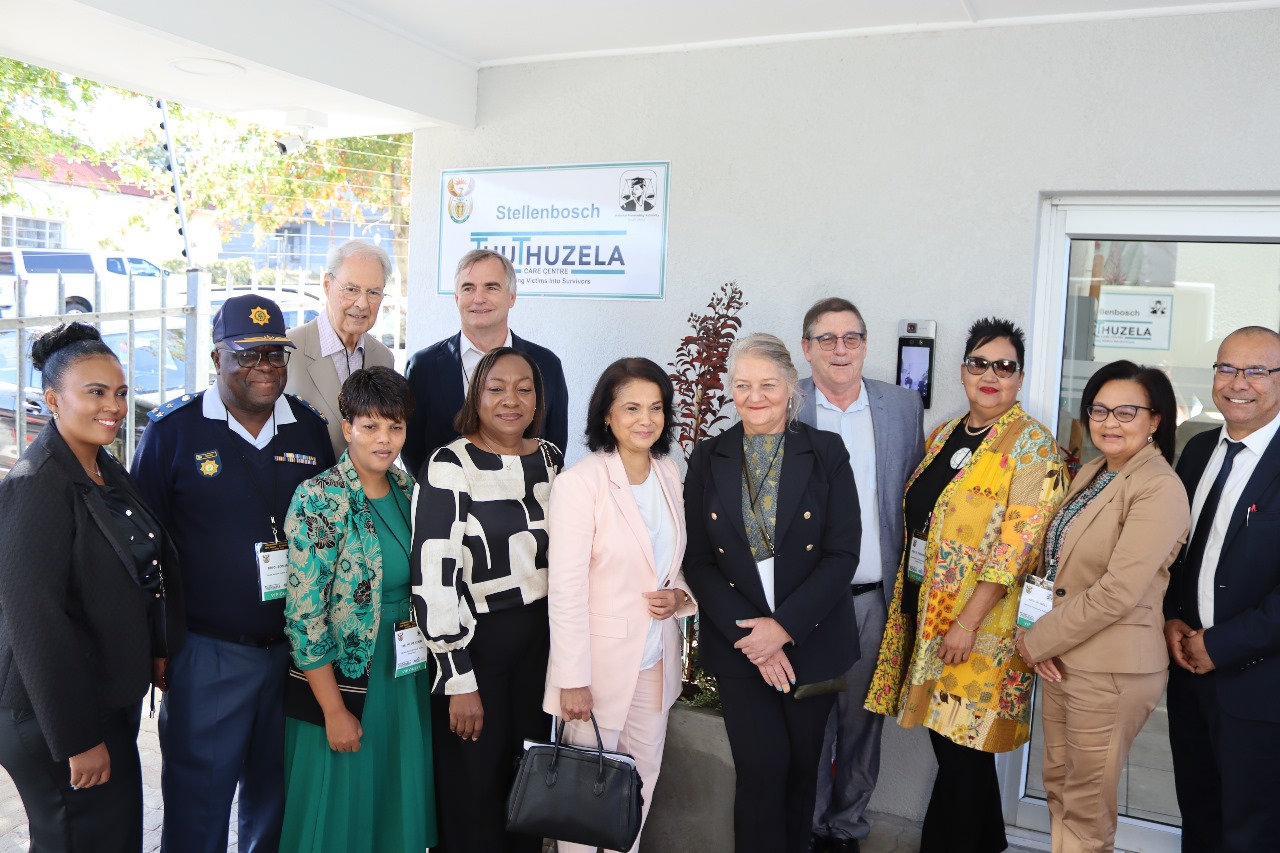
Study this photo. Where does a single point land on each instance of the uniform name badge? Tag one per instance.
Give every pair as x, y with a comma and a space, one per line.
411, 648
273, 568
915, 559
1036, 601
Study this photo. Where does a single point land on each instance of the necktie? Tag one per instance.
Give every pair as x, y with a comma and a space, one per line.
1195, 551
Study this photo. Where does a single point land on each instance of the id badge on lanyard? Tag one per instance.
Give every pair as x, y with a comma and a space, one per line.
273, 568
915, 558
1036, 601
411, 648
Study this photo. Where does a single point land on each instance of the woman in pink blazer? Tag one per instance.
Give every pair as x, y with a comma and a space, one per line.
616, 529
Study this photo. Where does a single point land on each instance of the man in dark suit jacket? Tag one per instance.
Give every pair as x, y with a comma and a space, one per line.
1223, 611
485, 290
882, 427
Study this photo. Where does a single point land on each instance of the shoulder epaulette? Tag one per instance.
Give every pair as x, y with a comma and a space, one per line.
307, 405
159, 412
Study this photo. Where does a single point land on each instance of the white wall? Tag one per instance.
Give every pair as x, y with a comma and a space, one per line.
902, 171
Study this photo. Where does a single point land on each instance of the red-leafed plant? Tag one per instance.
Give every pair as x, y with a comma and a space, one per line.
698, 376
700, 364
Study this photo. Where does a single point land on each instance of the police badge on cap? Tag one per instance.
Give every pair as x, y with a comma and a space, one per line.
248, 321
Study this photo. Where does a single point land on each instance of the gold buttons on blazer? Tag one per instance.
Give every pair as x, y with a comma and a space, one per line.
808, 547
808, 514
714, 516
721, 550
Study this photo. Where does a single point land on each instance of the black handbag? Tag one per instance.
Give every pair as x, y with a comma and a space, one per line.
576, 794
300, 701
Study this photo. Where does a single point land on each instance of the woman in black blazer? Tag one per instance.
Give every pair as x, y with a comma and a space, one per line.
86, 575
774, 531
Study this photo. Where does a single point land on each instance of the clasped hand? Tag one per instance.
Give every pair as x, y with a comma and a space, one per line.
766, 639
1186, 647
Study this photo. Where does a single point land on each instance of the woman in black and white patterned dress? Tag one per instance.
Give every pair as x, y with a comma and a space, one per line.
480, 589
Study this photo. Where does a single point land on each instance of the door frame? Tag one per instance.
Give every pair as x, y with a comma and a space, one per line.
1234, 218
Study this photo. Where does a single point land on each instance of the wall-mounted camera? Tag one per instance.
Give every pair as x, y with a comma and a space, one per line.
291, 144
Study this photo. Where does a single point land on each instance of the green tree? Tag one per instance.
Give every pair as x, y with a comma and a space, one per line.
37, 109
235, 170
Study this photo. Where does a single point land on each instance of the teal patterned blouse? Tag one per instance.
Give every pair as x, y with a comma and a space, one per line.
1062, 522
763, 456
333, 600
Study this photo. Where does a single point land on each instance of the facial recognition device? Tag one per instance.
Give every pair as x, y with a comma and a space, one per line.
915, 357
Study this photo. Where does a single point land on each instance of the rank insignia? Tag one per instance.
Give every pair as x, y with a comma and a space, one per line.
208, 464
260, 316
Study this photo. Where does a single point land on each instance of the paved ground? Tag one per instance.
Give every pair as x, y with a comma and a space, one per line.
889, 834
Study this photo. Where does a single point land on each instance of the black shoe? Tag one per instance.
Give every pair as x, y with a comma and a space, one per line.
844, 845
819, 844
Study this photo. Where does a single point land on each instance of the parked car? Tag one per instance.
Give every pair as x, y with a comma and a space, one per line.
153, 365
38, 271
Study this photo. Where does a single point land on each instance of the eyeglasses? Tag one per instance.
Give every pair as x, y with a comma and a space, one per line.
852, 340
251, 358
1252, 374
1004, 367
1124, 414
351, 293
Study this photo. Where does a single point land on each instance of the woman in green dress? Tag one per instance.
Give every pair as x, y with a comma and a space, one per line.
358, 736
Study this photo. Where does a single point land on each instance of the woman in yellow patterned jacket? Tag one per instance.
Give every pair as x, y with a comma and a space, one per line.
976, 512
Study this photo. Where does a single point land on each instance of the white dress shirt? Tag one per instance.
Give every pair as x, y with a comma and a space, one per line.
471, 355
216, 410
858, 434
1255, 444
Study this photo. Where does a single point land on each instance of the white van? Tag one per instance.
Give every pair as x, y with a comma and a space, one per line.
38, 270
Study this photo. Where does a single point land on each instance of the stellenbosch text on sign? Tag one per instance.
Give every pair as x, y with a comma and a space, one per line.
591, 230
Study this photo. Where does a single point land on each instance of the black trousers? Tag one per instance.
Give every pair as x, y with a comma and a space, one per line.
1224, 770
964, 814
509, 655
106, 818
775, 741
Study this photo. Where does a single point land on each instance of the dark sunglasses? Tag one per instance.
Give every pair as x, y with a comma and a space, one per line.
1004, 367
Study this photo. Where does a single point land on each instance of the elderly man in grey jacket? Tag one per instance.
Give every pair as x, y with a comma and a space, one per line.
337, 343
882, 426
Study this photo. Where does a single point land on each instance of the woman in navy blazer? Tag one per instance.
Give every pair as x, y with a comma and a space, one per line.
773, 537
85, 575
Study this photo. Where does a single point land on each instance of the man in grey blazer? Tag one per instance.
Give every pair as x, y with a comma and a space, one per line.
338, 342
882, 426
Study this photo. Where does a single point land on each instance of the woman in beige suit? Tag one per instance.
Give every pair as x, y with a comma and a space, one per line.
616, 529
1100, 650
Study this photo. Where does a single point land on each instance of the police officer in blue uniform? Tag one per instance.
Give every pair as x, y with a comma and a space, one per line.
219, 469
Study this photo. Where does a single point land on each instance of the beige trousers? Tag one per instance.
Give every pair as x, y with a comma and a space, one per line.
642, 737
1090, 720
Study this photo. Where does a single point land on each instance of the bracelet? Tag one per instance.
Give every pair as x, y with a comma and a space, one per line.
964, 626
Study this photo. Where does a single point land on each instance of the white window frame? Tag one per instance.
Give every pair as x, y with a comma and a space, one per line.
1243, 217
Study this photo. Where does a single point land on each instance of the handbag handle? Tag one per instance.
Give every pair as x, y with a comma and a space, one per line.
553, 774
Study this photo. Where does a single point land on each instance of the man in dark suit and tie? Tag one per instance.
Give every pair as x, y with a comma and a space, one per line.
485, 291
1222, 611
882, 427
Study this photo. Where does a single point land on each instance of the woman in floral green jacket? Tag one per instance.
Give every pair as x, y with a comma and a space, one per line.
357, 738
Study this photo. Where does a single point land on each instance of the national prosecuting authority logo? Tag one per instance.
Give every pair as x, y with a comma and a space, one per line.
460, 204
637, 190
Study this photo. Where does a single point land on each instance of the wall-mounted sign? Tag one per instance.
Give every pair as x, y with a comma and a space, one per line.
593, 230
1128, 320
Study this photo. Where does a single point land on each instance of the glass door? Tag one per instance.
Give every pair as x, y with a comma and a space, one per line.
1161, 285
